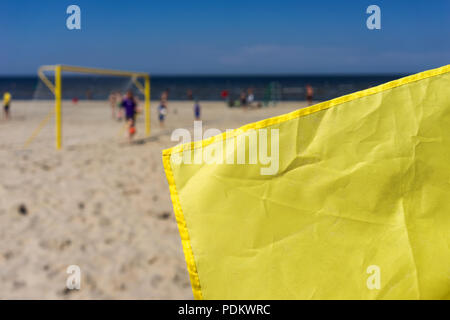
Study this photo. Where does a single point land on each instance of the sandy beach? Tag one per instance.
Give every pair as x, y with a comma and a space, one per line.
100, 203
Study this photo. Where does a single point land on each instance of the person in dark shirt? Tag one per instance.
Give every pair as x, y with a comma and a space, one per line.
129, 106
243, 99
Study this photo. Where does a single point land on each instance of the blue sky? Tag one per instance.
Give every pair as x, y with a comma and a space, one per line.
226, 37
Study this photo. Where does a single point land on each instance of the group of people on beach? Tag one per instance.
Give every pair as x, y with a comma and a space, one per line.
127, 108
163, 106
247, 98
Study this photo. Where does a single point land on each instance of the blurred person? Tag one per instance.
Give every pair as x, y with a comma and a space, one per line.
190, 95
162, 112
250, 97
225, 96
197, 110
165, 95
6, 105
130, 109
113, 99
162, 108
309, 94
119, 106
138, 102
243, 99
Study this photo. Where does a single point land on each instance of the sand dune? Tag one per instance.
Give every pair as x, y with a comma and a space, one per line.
100, 203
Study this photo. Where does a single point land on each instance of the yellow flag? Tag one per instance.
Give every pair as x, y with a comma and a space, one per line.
346, 199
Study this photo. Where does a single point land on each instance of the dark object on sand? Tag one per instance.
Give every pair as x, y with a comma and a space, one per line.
164, 215
23, 210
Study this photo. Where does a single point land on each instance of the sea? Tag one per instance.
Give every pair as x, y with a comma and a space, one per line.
203, 88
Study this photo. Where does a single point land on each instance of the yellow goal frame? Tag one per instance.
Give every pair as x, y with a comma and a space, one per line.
56, 89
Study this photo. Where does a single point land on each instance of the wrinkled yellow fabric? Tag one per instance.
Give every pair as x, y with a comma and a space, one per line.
363, 180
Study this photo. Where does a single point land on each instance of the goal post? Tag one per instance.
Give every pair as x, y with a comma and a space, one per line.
56, 89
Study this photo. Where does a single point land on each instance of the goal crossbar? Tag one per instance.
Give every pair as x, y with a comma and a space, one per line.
56, 89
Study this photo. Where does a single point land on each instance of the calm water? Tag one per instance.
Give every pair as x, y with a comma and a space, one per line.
203, 87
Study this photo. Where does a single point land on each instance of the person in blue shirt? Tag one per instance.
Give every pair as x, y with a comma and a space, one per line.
197, 110
130, 109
